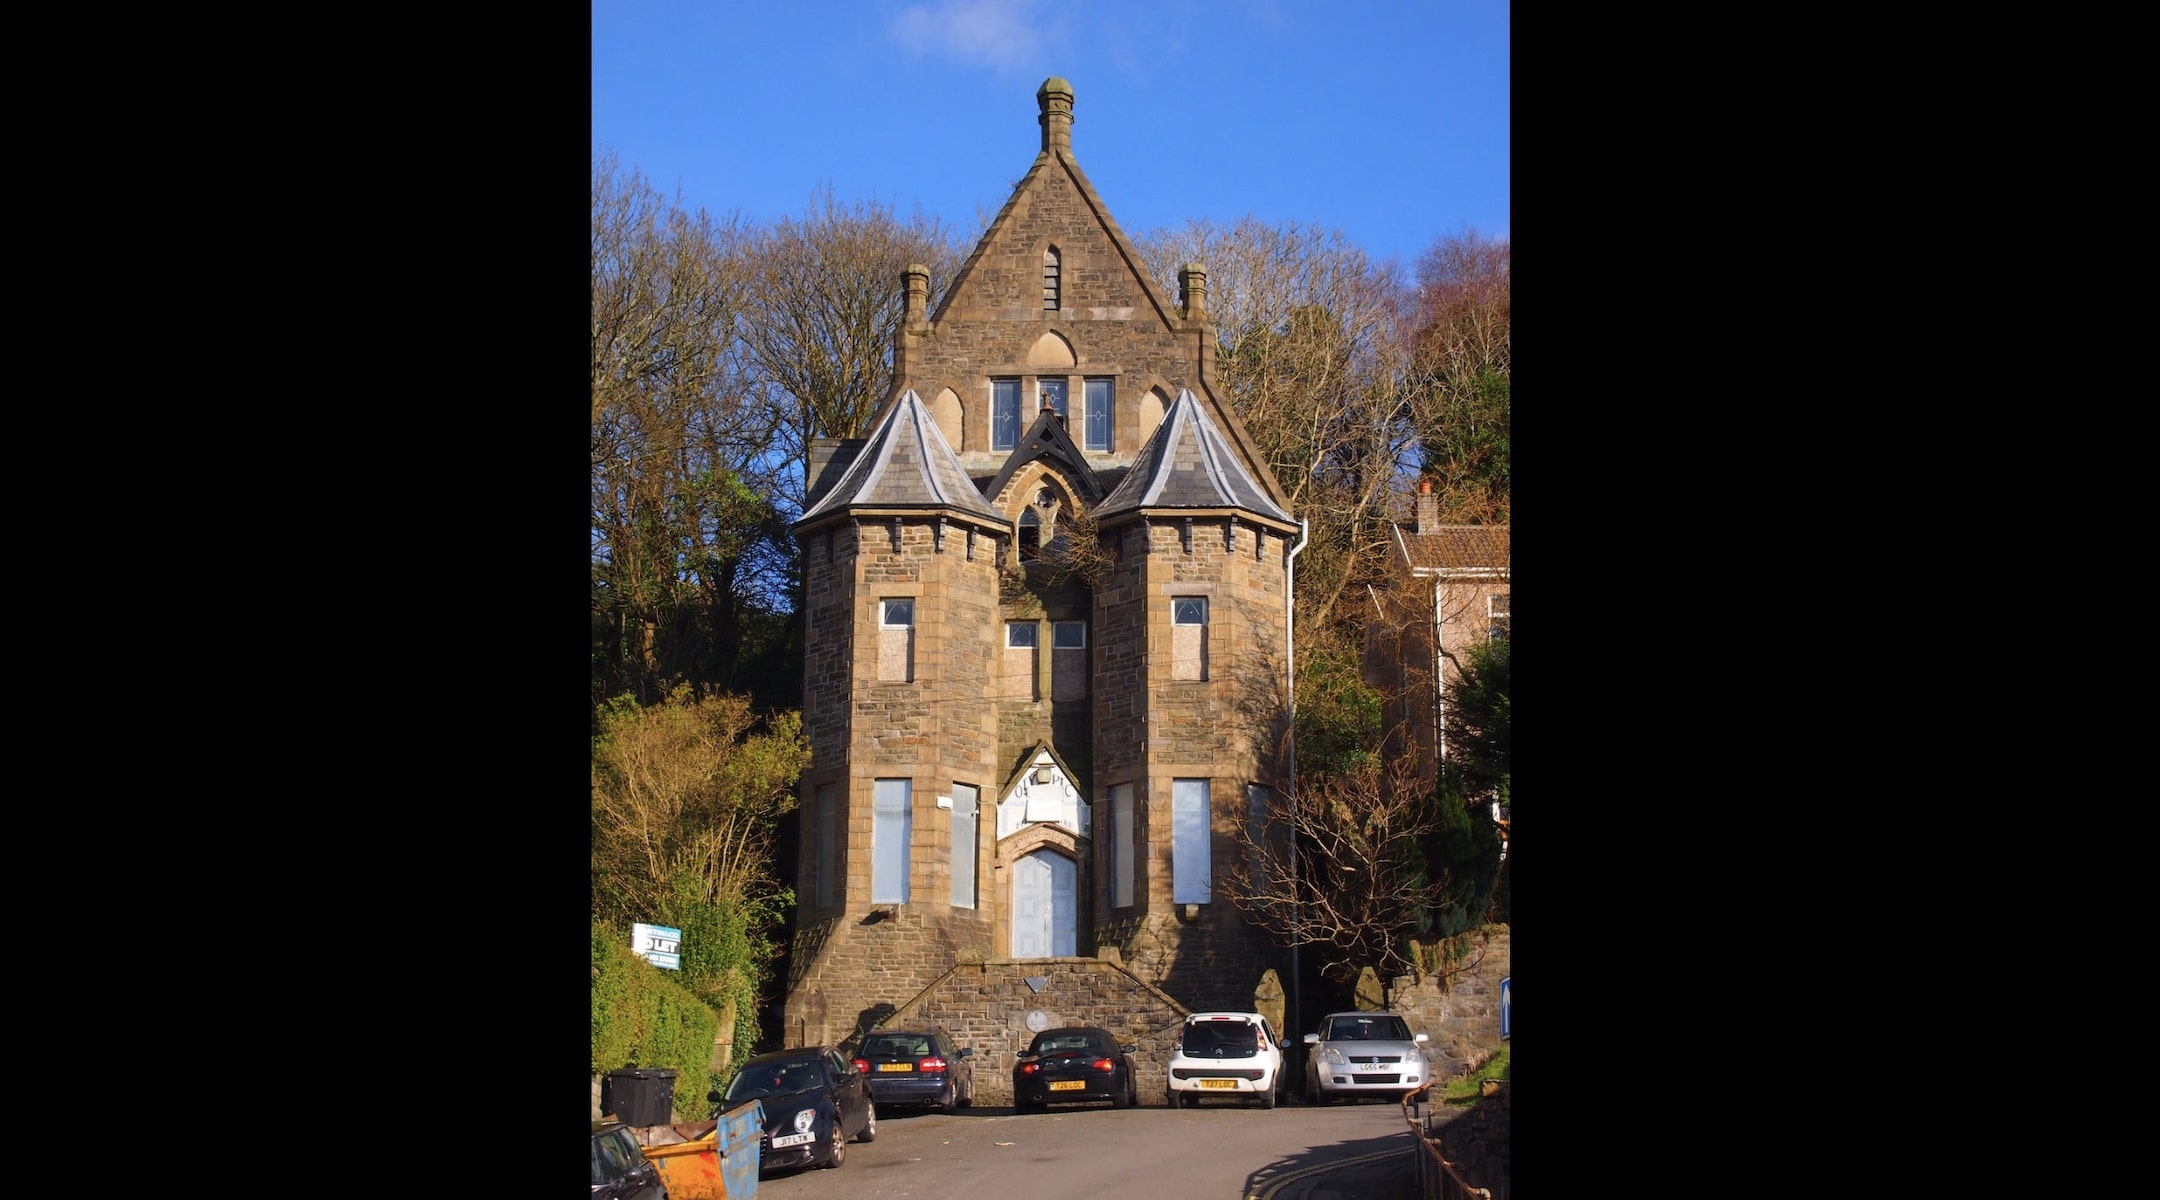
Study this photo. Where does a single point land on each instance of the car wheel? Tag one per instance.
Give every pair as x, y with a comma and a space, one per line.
1187, 1100
968, 1100
1267, 1100
869, 1125
951, 1099
837, 1154
1121, 1097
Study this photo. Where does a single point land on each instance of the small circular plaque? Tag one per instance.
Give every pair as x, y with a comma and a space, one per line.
1037, 1020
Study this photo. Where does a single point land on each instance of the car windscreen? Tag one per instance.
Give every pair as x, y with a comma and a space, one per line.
782, 1078
1367, 1029
1208, 1039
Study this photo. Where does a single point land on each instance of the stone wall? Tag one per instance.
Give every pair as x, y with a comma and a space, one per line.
986, 1006
1460, 1009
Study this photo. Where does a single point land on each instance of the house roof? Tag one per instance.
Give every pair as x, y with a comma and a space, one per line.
1188, 463
1449, 548
905, 462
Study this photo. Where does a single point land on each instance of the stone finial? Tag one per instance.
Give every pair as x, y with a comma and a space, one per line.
916, 279
1055, 100
1192, 291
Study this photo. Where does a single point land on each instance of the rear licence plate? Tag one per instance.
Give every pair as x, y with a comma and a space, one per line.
896, 1066
1069, 1085
795, 1139
1218, 1083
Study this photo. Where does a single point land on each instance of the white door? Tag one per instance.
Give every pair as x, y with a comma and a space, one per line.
1044, 906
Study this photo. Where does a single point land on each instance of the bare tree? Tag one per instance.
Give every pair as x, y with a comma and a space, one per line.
1341, 869
678, 453
1458, 385
828, 307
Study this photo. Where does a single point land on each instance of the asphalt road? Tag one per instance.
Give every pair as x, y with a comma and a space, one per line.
1348, 1152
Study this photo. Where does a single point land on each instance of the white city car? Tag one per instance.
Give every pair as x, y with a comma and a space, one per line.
1233, 1055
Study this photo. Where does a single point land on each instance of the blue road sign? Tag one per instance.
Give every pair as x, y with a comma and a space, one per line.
1503, 1008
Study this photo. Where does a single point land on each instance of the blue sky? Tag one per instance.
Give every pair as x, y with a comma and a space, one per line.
1385, 119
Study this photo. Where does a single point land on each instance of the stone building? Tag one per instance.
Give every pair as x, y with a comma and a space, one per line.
1047, 620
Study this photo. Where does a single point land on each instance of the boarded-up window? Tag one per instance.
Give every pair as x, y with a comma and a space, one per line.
1190, 852
1050, 279
824, 851
1188, 637
893, 822
1020, 660
1068, 660
896, 641
1121, 845
965, 801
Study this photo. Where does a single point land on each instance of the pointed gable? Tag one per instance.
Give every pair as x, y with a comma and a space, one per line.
905, 463
1046, 440
1189, 464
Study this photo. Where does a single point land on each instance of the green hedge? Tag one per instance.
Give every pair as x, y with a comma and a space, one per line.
641, 1017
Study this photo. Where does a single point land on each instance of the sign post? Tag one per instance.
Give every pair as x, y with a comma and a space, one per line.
661, 945
1503, 1008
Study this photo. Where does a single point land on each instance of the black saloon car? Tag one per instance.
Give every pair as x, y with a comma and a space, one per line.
916, 1064
815, 1104
1073, 1064
620, 1170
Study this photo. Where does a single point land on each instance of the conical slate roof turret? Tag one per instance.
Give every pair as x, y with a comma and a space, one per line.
1189, 464
906, 462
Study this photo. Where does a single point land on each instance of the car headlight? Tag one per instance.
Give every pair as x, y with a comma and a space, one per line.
805, 1119
1329, 1054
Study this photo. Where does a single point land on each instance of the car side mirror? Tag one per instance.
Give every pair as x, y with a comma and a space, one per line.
1421, 1038
1312, 1039
1129, 1048
714, 1097
967, 1052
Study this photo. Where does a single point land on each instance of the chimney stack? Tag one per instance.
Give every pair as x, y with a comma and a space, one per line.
917, 281
1192, 289
1055, 99
1428, 508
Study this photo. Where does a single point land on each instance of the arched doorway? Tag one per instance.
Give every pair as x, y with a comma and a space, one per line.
1044, 906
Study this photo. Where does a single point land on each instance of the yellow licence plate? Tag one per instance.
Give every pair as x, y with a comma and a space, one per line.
1069, 1085
1218, 1083
896, 1066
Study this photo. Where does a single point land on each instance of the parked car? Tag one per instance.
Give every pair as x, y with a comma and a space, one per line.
1235, 1055
916, 1065
1075, 1063
1364, 1054
815, 1104
620, 1170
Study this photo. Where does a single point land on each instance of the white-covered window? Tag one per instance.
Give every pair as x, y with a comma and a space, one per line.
1191, 880
1496, 612
1099, 397
966, 803
892, 823
1188, 637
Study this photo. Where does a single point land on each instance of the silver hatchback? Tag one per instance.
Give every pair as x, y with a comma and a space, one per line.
1364, 1054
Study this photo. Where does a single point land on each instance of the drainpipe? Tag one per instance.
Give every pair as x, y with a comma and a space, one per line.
1297, 928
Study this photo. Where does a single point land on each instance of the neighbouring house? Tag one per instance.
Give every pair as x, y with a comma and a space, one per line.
1047, 606
1451, 592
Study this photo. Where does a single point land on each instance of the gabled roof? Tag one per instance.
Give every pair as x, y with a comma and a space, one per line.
1047, 439
1188, 463
905, 462
1454, 549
